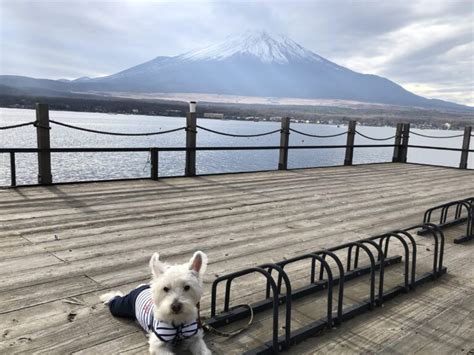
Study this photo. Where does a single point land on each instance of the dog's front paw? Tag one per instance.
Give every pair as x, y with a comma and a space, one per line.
199, 347
157, 347
160, 351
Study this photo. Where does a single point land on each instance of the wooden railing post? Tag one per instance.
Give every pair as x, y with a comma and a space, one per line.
404, 147
350, 143
12, 169
284, 141
43, 142
398, 142
465, 147
190, 168
154, 164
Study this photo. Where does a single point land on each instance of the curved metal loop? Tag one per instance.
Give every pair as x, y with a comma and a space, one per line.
466, 204
282, 275
444, 210
381, 258
372, 272
433, 229
324, 263
340, 299
273, 286
438, 230
330, 287
386, 237
457, 214
414, 255
349, 257
358, 246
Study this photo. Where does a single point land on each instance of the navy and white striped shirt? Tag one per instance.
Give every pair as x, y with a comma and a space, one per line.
165, 332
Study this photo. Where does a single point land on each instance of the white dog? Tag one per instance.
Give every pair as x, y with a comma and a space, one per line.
167, 308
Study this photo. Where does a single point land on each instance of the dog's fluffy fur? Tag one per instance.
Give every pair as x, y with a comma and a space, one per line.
175, 284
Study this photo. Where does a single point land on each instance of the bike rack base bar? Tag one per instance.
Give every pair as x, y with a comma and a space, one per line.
444, 225
463, 239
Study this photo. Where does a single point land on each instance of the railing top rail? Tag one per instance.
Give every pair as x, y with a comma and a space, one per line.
440, 148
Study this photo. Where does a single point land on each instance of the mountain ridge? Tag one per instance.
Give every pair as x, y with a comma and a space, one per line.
251, 64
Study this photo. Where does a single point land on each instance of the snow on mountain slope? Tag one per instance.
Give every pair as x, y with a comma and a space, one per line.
267, 48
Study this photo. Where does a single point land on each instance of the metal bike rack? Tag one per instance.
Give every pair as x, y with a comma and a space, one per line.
327, 279
458, 217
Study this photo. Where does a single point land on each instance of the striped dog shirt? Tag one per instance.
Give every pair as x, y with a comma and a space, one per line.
139, 305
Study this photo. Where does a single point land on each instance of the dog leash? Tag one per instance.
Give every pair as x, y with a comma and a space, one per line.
231, 334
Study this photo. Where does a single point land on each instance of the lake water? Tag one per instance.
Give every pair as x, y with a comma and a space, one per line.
95, 166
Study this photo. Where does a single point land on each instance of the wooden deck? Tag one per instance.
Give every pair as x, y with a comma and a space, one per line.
62, 246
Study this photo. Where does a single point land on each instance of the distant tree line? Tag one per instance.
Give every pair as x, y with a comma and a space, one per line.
384, 116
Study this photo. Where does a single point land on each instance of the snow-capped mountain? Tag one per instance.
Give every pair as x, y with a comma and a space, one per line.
268, 48
250, 64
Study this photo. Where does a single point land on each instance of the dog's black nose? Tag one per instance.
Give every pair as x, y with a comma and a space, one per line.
176, 307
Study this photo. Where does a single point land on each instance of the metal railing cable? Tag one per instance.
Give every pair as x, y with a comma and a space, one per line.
239, 135
374, 138
117, 133
429, 136
17, 125
318, 135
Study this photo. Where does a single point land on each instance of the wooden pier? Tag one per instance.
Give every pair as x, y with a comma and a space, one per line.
61, 246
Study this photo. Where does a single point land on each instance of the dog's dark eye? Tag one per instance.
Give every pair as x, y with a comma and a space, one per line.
166, 289
187, 287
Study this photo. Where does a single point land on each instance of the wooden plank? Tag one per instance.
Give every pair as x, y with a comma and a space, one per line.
70, 336
47, 327
68, 200
28, 296
174, 185
20, 264
125, 344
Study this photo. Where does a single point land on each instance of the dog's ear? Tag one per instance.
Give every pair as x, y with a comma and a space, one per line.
198, 262
156, 266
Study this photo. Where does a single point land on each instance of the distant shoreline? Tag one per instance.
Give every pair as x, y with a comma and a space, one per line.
334, 115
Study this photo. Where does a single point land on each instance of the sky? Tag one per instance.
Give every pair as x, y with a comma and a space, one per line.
427, 46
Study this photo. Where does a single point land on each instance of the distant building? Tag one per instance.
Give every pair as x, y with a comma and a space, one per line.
135, 110
447, 125
213, 115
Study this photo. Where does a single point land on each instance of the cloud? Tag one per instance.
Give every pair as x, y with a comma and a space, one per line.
426, 46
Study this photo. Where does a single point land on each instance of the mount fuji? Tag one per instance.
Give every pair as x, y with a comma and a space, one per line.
250, 64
